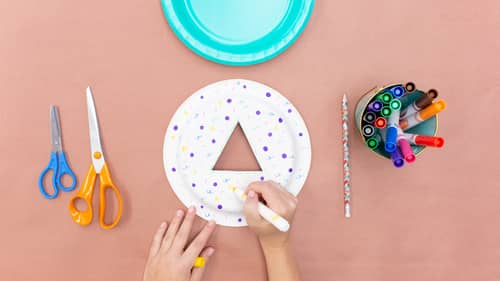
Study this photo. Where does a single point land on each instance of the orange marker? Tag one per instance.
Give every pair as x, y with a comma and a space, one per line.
423, 115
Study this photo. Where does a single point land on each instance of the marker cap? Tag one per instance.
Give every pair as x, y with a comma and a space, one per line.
372, 142
432, 110
390, 139
410, 87
375, 106
386, 111
407, 151
369, 117
368, 130
398, 91
380, 122
397, 159
395, 105
429, 141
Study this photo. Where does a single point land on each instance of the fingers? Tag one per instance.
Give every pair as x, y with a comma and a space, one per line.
277, 198
157, 238
251, 209
172, 231
197, 272
182, 236
199, 242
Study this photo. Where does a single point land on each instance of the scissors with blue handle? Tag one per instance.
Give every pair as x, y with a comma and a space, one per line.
98, 167
57, 164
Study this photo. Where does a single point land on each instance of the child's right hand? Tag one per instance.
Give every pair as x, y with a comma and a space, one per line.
280, 201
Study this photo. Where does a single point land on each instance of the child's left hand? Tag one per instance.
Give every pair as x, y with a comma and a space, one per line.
170, 256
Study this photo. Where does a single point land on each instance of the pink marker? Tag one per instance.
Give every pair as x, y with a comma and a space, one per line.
405, 147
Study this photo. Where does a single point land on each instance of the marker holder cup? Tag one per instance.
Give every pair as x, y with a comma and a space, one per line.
428, 127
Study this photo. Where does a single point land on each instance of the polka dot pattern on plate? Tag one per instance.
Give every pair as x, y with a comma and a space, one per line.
273, 127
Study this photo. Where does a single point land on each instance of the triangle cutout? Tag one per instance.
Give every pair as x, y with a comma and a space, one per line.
237, 154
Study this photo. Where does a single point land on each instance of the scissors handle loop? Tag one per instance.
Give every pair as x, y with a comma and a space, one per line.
64, 169
51, 167
85, 195
107, 183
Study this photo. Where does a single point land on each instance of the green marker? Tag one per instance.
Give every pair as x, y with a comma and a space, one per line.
395, 104
386, 111
385, 97
373, 142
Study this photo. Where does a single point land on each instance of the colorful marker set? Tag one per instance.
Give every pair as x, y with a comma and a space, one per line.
390, 113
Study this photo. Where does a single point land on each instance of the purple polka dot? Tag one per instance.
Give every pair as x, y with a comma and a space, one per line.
214, 184
268, 94
176, 127
229, 100
257, 112
193, 184
290, 110
280, 120
201, 206
201, 97
191, 154
261, 178
202, 127
269, 134
174, 169
284, 155
219, 206
244, 86
265, 148
227, 118
301, 134
290, 170
239, 219
213, 140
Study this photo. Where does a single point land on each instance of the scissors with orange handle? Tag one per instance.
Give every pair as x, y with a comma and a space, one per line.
98, 167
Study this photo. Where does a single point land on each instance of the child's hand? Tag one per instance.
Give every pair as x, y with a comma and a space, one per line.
276, 198
171, 258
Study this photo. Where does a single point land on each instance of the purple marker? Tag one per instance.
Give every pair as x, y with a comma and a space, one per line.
397, 159
375, 106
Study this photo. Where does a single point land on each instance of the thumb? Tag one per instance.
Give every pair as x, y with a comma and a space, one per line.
197, 272
251, 208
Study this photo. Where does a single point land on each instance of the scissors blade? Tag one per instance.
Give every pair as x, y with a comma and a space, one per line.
95, 140
55, 129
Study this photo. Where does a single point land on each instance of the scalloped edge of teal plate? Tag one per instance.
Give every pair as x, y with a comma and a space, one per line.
226, 58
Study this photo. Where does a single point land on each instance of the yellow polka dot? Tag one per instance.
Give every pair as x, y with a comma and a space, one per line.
233, 188
186, 113
212, 128
217, 199
275, 217
172, 137
220, 102
184, 148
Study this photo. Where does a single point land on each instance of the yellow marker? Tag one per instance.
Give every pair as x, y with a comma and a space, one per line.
199, 262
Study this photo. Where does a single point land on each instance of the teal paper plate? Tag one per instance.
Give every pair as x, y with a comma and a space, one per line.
238, 32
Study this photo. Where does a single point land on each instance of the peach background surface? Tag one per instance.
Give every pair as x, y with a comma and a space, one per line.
437, 219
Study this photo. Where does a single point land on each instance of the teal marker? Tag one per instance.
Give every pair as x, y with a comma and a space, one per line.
386, 111
395, 104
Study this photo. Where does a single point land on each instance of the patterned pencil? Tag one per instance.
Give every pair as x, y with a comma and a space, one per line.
345, 163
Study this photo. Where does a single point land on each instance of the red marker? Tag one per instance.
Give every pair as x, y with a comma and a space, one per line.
425, 140
380, 122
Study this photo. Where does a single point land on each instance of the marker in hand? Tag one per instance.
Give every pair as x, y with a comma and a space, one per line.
269, 215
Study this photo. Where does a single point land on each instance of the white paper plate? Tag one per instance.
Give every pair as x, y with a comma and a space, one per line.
203, 124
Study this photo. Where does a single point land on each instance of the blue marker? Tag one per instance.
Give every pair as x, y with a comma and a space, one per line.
398, 91
392, 132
